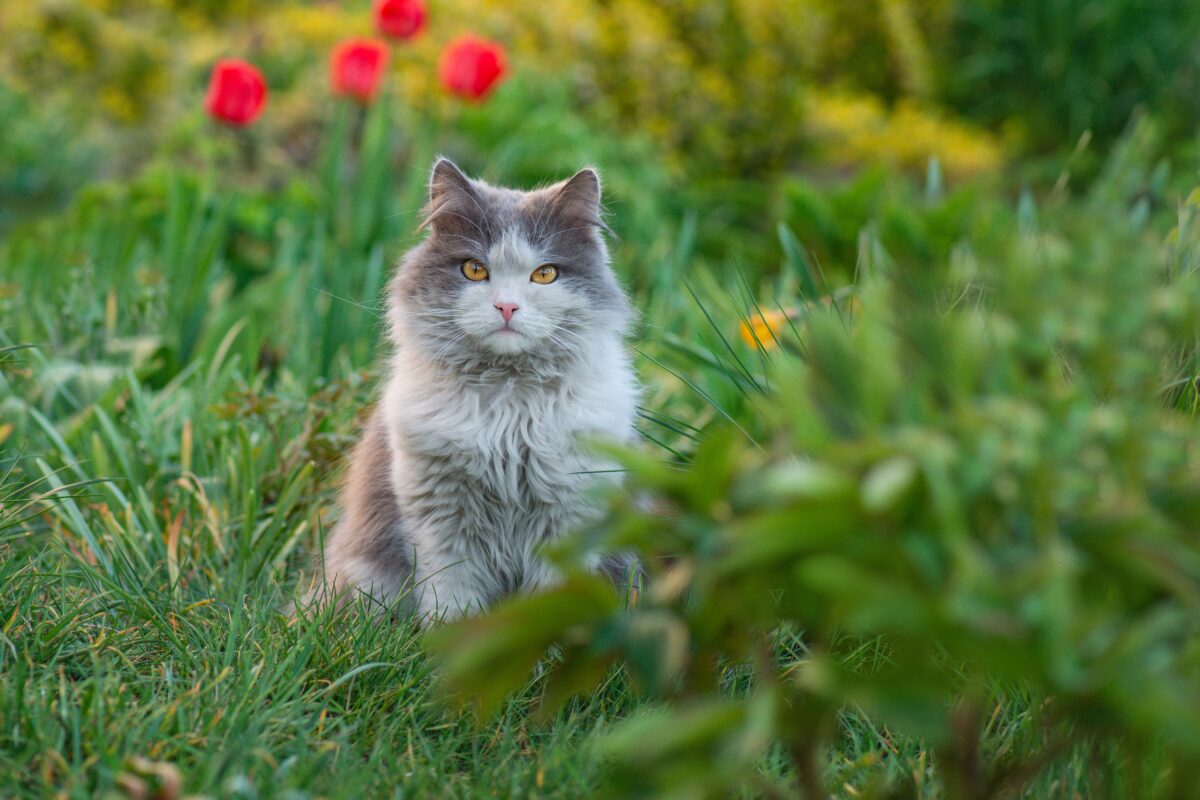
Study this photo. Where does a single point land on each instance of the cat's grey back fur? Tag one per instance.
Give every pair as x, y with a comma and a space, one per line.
473, 459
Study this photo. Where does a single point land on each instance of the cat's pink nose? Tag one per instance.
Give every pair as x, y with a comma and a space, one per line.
507, 310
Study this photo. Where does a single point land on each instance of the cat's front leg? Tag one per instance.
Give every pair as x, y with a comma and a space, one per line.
540, 576
447, 593
621, 569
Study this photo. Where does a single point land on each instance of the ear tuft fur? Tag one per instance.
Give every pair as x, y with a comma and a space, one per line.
578, 198
452, 196
446, 177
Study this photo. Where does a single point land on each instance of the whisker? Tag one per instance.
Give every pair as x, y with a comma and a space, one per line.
373, 310
445, 350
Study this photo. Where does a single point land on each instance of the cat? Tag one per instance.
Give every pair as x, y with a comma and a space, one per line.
508, 330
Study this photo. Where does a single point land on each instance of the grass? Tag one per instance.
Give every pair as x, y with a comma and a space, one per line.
176, 394
246, 705
140, 618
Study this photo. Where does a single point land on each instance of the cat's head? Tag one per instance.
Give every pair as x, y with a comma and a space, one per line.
506, 276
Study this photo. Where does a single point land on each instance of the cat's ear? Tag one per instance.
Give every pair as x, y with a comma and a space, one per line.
578, 198
453, 201
446, 179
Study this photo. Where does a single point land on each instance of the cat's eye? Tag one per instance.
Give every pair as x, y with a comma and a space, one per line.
546, 273
474, 270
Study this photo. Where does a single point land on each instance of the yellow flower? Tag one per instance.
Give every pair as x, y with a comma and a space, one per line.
764, 327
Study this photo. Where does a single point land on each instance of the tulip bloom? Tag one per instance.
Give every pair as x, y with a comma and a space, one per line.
471, 66
400, 19
356, 68
237, 92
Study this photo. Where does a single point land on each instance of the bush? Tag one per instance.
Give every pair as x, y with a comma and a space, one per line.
42, 157
111, 64
1049, 70
723, 89
858, 131
970, 518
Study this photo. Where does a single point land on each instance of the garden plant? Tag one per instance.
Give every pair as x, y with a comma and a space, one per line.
916, 496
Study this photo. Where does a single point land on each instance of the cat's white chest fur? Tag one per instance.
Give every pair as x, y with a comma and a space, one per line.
488, 471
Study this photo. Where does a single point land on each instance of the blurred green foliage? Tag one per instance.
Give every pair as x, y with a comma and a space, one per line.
42, 158
977, 479
1051, 70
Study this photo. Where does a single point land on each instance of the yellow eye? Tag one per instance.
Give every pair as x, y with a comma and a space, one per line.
474, 270
546, 273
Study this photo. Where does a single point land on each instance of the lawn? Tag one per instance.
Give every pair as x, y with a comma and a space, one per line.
920, 418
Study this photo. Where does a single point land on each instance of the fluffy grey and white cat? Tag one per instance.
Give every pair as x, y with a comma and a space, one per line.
508, 330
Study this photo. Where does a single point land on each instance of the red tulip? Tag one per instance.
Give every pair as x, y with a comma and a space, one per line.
471, 66
400, 19
356, 68
236, 92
